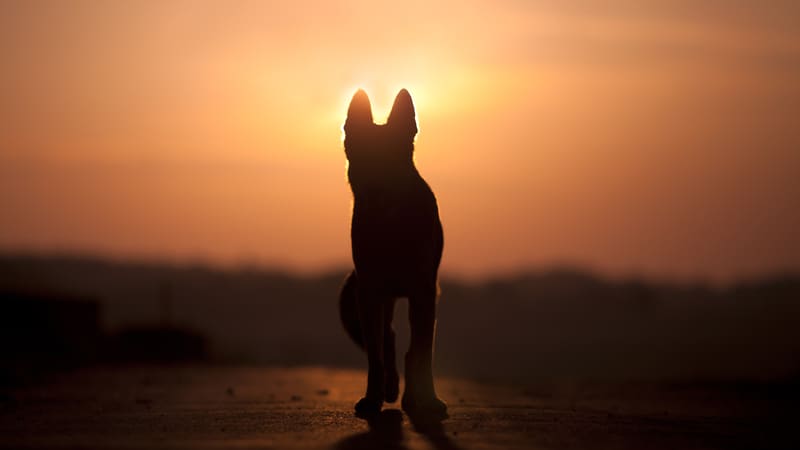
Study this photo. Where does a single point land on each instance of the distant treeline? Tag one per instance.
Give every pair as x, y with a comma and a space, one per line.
557, 323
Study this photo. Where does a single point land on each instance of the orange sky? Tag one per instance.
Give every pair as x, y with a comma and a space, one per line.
662, 140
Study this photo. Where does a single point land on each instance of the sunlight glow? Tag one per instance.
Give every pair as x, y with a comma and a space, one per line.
216, 129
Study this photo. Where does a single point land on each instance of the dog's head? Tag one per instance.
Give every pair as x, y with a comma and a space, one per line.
377, 153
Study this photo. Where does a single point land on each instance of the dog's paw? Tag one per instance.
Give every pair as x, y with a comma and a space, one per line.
367, 408
427, 409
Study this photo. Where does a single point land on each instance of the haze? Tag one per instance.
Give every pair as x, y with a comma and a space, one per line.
659, 140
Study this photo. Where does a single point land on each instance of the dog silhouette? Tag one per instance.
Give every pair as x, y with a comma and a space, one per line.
397, 243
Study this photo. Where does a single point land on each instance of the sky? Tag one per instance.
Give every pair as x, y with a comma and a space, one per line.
657, 138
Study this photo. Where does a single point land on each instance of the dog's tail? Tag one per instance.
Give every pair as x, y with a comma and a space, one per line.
348, 310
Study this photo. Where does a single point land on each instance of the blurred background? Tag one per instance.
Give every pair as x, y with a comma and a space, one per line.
617, 181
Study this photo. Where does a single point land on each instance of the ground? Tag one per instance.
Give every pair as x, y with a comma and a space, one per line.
312, 408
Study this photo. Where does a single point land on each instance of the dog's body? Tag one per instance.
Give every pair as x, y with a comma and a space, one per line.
397, 245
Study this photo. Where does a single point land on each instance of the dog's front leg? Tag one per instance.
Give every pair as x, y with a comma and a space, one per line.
419, 398
371, 315
392, 384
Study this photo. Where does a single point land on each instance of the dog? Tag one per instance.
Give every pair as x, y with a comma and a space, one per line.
397, 243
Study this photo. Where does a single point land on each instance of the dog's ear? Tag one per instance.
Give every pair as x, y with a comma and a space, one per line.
359, 114
403, 118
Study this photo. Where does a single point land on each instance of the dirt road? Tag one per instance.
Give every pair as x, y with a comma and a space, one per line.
202, 407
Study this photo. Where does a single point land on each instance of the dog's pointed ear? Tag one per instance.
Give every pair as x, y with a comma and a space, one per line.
359, 114
403, 118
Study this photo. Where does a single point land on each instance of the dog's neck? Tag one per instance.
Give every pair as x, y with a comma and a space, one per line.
397, 183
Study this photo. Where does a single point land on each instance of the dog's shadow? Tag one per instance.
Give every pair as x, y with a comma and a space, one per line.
386, 432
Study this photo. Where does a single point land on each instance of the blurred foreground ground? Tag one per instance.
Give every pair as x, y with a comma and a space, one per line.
222, 407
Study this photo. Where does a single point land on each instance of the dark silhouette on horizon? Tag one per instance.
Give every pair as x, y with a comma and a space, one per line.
397, 245
547, 324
